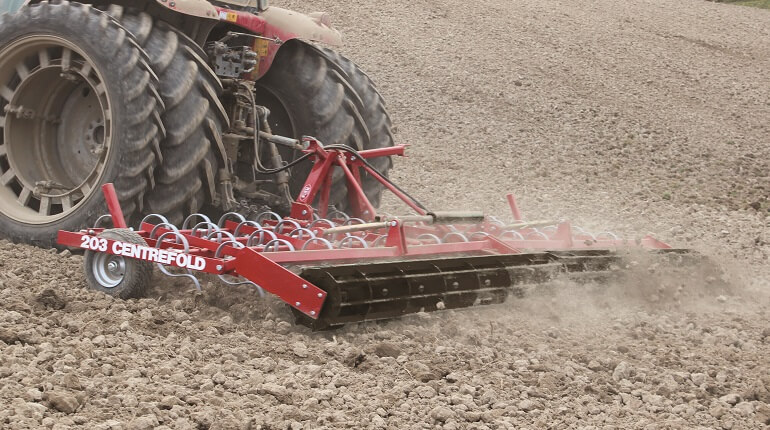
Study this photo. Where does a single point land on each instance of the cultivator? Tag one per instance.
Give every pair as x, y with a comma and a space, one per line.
333, 268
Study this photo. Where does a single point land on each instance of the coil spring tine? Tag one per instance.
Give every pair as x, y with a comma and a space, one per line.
224, 218
430, 236
279, 227
451, 234
580, 230
353, 221
277, 244
210, 226
537, 232
300, 232
167, 225
101, 219
380, 241
318, 239
219, 234
222, 277
338, 214
350, 238
607, 234
162, 268
329, 222
262, 232
516, 235
263, 216
237, 231
147, 219
475, 234
494, 220
189, 220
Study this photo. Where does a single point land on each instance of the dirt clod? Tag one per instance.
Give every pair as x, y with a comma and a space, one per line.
63, 402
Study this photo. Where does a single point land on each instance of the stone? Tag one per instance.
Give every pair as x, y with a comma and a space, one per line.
63, 402
219, 378
425, 391
631, 401
622, 371
145, 422
698, 378
278, 391
300, 350
387, 349
594, 365
283, 327
717, 411
441, 413
744, 409
527, 405
730, 399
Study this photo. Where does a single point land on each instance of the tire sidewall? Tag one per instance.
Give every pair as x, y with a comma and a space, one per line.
131, 286
111, 74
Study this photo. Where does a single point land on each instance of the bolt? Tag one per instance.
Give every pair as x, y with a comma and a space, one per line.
112, 266
312, 313
304, 286
91, 232
421, 288
455, 284
297, 304
487, 282
304, 212
353, 158
219, 267
320, 295
384, 291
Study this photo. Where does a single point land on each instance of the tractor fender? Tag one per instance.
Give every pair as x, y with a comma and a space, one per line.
277, 26
199, 8
315, 27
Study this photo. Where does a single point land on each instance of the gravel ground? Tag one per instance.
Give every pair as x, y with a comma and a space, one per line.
635, 116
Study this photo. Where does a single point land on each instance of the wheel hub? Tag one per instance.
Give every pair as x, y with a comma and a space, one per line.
108, 269
55, 129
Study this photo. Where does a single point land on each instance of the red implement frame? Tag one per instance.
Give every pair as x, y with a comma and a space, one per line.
261, 252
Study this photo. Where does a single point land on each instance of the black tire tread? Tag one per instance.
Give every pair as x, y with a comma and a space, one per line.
327, 107
139, 131
190, 92
375, 116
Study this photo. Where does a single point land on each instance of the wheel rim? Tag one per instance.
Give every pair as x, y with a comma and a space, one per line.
55, 129
109, 270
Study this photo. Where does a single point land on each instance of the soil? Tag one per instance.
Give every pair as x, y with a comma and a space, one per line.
635, 117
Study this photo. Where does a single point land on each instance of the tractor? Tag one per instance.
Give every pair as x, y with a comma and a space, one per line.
180, 103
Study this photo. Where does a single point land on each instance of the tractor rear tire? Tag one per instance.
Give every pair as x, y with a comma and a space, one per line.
308, 93
194, 117
78, 109
375, 116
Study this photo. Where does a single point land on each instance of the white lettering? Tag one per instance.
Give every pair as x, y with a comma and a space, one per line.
182, 260
117, 248
198, 263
